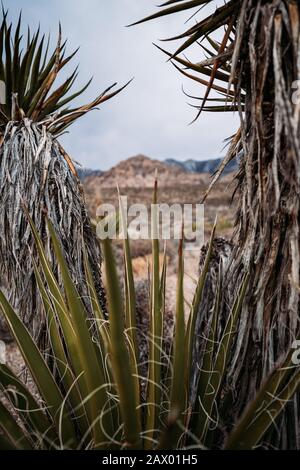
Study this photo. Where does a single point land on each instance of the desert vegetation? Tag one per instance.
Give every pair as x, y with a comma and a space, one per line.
219, 374
36, 172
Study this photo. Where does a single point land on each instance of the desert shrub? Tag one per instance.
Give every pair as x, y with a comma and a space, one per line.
105, 392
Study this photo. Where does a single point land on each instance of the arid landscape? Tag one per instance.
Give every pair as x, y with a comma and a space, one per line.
135, 178
185, 334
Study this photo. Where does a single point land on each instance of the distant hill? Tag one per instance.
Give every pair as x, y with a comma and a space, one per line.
86, 172
205, 166
139, 172
139, 167
135, 178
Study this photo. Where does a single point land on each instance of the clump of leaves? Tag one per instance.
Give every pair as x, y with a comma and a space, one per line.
215, 35
214, 71
94, 400
29, 70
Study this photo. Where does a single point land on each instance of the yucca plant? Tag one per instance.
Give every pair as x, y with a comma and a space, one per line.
98, 399
36, 171
249, 62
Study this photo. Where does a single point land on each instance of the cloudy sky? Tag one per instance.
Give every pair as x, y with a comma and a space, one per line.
152, 115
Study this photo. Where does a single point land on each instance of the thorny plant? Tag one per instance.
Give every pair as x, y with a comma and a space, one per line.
35, 168
97, 397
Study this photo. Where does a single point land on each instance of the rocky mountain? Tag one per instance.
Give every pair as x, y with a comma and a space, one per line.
205, 166
139, 167
86, 172
135, 178
139, 172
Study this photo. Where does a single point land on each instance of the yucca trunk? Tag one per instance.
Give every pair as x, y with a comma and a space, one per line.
268, 188
35, 175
